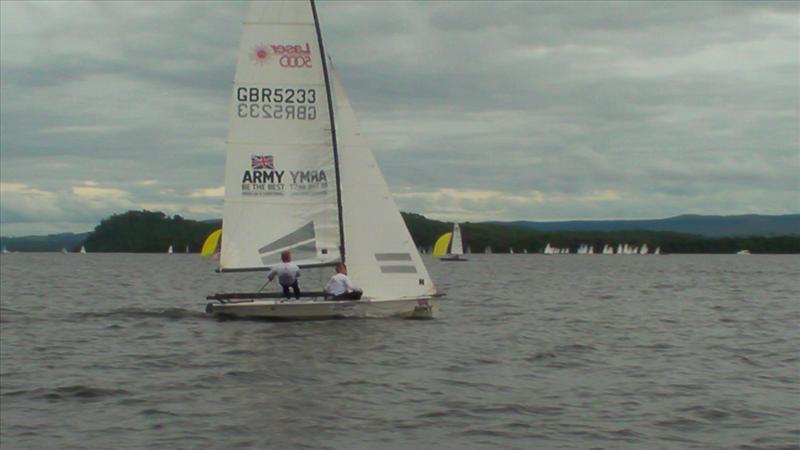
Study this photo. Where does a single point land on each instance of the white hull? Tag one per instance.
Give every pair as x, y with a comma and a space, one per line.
408, 308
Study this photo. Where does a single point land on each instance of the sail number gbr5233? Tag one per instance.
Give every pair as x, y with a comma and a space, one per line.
276, 103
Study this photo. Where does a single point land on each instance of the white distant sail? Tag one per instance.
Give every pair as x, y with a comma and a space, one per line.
83, 249
456, 245
169, 250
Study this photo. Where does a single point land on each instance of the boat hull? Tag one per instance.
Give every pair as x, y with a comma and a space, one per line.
409, 308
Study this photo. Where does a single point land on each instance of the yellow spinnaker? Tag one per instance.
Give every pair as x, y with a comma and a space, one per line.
440, 247
210, 245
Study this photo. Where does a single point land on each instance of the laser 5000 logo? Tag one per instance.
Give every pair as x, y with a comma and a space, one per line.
292, 56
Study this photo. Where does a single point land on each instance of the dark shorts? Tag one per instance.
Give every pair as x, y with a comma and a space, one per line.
352, 295
295, 287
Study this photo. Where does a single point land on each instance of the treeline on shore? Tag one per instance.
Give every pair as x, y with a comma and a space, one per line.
502, 238
148, 232
155, 232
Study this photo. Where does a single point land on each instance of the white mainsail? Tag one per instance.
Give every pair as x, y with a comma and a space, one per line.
456, 246
380, 254
280, 174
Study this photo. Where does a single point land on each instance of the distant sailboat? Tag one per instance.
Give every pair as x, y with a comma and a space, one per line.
743, 252
212, 244
452, 240
83, 249
64, 251
169, 250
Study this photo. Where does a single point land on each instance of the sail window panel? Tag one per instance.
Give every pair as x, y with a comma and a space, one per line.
252, 240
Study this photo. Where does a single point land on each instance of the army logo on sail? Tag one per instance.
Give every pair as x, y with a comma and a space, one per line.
262, 178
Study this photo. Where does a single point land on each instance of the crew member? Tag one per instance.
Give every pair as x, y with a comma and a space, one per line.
340, 287
287, 273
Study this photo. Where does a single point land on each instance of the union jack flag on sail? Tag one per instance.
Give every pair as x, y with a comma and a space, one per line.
260, 162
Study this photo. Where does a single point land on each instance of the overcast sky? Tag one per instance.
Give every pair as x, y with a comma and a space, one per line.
475, 111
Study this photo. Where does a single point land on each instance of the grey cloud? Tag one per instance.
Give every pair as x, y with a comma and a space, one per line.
678, 107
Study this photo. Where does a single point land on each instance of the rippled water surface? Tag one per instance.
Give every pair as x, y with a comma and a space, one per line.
528, 351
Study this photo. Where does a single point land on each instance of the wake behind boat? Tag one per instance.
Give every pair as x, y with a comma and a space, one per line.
299, 176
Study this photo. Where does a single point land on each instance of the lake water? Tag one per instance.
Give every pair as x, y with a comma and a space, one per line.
528, 351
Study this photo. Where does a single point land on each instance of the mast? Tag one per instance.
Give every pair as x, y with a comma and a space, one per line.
333, 131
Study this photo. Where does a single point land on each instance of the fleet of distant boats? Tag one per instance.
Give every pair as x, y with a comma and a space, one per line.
583, 249
449, 247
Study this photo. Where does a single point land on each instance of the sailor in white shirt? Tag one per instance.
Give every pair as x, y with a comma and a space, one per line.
287, 273
340, 287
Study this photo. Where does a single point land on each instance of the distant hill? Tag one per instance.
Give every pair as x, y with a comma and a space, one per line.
711, 226
148, 232
50, 243
154, 232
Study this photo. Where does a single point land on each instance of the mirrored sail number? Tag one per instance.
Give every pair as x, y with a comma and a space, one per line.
276, 103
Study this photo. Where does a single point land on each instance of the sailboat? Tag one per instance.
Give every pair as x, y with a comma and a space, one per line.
452, 240
83, 249
299, 176
211, 245
169, 250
